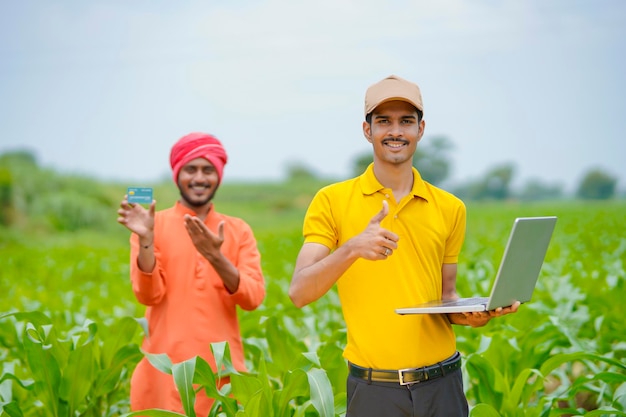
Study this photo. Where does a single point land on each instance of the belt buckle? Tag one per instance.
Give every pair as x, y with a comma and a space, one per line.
401, 376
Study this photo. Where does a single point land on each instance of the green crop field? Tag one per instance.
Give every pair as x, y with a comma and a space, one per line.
70, 327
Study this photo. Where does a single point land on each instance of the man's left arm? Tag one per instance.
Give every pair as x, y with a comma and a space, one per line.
209, 245
242, 277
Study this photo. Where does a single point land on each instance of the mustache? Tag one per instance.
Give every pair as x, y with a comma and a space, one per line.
390, 139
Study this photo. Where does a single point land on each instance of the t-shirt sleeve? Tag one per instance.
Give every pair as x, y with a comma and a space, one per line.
319, 223
454, 243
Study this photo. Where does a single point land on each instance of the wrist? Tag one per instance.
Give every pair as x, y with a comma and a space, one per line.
146, 241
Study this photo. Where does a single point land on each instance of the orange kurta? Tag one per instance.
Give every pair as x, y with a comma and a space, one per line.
188, 307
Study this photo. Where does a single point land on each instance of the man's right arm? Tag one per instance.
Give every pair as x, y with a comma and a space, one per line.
317, 270
146, 260
140, 222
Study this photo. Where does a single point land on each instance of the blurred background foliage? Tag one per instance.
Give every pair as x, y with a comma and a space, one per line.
40, 199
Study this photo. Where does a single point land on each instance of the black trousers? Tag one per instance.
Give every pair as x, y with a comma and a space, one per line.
440, 397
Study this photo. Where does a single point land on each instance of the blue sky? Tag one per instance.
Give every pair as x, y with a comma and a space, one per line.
104, 88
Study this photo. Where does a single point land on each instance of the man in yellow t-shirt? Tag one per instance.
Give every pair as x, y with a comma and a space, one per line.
389, 239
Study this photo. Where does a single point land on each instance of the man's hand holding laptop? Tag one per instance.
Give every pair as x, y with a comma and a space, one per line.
481, 318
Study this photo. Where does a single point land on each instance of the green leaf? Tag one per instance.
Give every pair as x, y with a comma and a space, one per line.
183, 378
227, 405
78, 376
35, 317
333, 362
45, 370
603, 413
92, 330
321, 392
26, 384
489, 390
559, 359
484, 410
295, 385
313, 358
153, 412
341, 405
143, 322
160, 361
259, 405
607, 377
283, 346
11, 409
110, 376
221, 353
516, 396
205, 377
245, 386
118, 336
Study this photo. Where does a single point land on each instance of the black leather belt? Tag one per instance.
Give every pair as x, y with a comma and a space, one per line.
409, 375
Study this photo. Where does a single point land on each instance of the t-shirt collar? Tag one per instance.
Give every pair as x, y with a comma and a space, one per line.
370, 184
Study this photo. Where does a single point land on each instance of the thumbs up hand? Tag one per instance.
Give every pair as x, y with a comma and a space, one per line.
375, 243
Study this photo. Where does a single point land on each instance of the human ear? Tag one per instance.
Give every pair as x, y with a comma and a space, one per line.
421, 130
367, 131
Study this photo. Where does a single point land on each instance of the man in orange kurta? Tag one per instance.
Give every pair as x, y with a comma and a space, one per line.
191, 266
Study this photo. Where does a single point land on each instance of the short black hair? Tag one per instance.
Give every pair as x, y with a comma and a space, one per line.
420, 114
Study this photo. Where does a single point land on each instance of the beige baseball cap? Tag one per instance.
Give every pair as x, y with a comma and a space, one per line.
392, 88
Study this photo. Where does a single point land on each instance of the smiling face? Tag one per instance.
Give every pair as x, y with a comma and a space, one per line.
197, 182
394, 132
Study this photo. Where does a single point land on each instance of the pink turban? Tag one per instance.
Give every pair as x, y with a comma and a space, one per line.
198, 145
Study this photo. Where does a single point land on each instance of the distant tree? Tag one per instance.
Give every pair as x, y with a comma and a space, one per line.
19, 173
17, 159
498, 181
31, 196
6, 196
431, 159
298, 171
361, 162
596, 185
495, 185
535, 190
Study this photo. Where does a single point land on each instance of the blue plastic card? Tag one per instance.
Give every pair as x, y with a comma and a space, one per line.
140, 195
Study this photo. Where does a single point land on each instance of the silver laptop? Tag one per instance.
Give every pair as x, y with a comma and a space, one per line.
517, 275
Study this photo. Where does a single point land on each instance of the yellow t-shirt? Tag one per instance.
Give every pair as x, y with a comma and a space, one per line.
431, 225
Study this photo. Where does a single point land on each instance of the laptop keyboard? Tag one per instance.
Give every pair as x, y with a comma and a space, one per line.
470, 301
